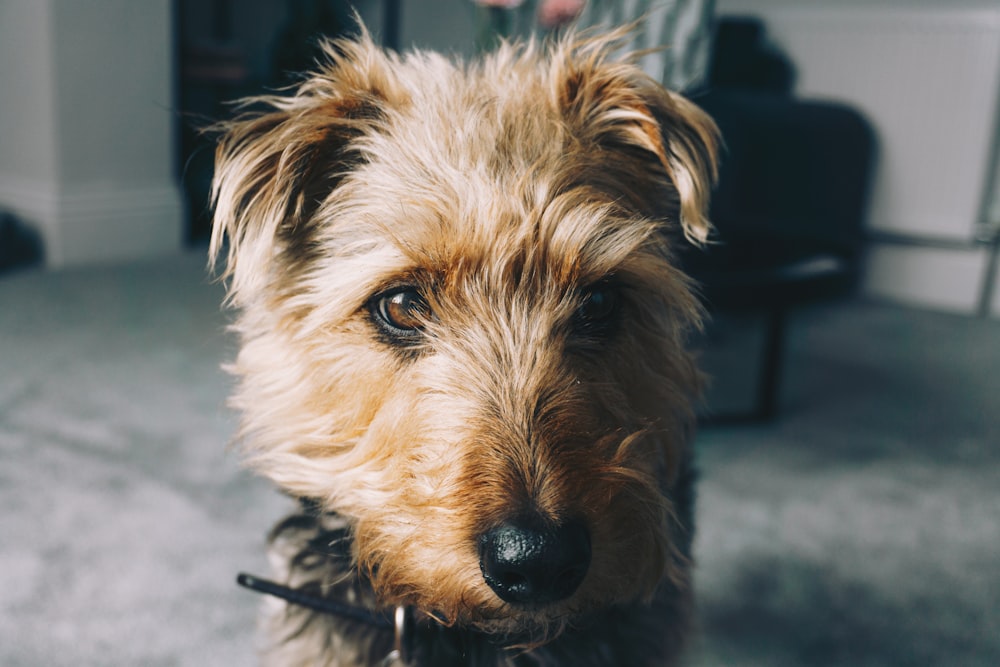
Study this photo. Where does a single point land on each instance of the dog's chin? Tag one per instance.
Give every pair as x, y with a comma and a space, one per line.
474, 607
524, 628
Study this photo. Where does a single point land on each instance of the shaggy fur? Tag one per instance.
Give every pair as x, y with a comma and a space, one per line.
528, 208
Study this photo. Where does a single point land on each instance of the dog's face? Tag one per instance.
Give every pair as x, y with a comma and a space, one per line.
461, 325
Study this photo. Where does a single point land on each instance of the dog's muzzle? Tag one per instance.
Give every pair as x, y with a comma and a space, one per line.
528, 563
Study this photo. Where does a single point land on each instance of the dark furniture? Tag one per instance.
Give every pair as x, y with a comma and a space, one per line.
791, 201
20, 245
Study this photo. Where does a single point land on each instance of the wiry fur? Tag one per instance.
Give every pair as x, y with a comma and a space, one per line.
502, 190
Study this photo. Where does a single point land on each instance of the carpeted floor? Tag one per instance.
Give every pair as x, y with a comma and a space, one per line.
863, 528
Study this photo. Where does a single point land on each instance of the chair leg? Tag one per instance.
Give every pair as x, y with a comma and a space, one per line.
771, 362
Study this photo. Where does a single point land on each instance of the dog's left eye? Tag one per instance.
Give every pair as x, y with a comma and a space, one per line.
401, 313
599, 306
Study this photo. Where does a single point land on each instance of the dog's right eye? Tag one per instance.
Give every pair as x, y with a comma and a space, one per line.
400, 313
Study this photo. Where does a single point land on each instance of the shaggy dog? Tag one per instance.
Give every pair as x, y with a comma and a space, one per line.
462, 348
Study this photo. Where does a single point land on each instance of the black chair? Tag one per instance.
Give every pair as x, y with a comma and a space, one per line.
791, 201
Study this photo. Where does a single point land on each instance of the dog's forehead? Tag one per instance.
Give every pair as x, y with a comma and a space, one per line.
459, 127
475, 172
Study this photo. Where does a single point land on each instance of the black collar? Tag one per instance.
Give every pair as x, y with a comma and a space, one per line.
401, 621
371, 617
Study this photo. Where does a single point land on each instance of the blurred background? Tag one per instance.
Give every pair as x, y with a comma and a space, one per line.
849, 506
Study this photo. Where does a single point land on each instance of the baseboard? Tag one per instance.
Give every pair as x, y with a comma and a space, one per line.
103, 223
933, 277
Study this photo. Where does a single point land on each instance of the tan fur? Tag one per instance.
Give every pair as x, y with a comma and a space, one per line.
502, 189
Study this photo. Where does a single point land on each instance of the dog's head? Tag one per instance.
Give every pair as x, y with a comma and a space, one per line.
461, 324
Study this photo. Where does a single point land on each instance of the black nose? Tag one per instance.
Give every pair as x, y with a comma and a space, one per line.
524, 562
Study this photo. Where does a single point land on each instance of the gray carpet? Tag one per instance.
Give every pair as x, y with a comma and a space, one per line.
863, 528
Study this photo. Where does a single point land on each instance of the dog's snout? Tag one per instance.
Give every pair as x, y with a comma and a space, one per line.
527, 564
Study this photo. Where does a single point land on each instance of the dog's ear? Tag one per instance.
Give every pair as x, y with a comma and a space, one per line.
277, 162
617, 106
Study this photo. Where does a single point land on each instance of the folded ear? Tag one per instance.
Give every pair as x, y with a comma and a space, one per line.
685, 140
276, 164
616, 105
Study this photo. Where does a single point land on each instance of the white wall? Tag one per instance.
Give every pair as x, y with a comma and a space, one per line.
87, 126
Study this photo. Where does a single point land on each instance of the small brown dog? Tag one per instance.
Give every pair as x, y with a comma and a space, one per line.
463, 348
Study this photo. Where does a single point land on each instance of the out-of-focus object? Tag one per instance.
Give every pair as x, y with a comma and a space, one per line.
20, 246
792, 199
927, 76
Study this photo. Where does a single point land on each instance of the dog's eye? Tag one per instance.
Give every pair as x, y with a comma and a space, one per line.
599, 306
401, 313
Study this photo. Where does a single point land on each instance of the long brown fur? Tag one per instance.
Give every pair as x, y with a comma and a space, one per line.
503, 190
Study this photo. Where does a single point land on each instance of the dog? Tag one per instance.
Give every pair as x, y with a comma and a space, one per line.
463, 348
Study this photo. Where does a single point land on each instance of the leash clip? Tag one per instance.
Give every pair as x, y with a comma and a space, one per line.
399, 655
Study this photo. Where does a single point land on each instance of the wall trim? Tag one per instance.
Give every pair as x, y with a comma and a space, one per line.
99, 223
943, 278
924, 241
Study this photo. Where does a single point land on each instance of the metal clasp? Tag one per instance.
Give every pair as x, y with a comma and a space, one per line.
399, 656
